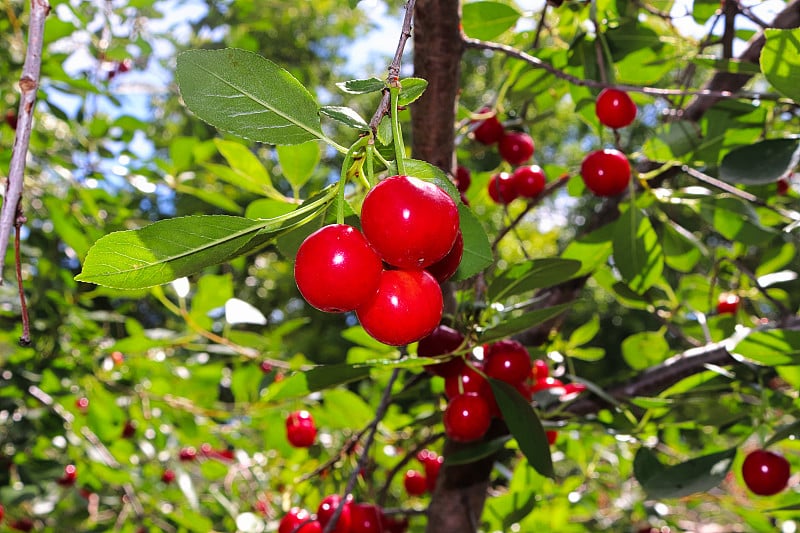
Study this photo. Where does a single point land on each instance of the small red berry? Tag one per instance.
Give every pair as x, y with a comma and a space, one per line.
572, 390
545, 383
69, 477
606, 172
502, 188
300, 429
463, 178
540, 369
468, 380
614, 108
442, 341
366, 518
2, 511
82, 404
21, 524
327, 508
490, 130
765, 473
444, 268
508, 361
467, 417
11, 119
294, 518
552, 436
415, 483
516, 147
129, 429
728, 304
266, 367
782, 186
393, 524
336, 270
188, 453
168, 476
529, 181
432, 467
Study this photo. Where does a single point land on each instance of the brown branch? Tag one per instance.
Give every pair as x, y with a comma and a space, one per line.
29, 84
25, 339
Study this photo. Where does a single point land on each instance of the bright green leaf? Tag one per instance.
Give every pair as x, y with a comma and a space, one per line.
771, 348
780, 61
644, 349
345, 115
477, 451
298, 162
520, 323
637, 252
700, 474
760, 163
316, 379
411, 89
365, 86
535, 274
488, 20
477, 250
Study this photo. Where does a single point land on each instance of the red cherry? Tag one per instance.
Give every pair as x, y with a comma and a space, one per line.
415, 483
2, 512
11, 119
294, 518
490, 130
782, 186
21, 524
466, 417
411, 223
546, 383
366, 518
765, 473
118, 358
407, 307
463, 178
516, 147
82, 404
442, 340
69, 477
129, 429
432, 467
551, 437
615, 108
606, 172
571, 390
187, 454
300, 429
336, 270
266, 367
444, 268
502, 188
728, 304
529, 180
468, 380
508, 361
540, 369
168, 476
327, 508
392, 524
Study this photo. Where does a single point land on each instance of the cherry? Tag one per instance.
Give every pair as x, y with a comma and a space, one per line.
502, 188
515, 147
129, 429
300, 429
463, 178
168, 476
432, 467
442, 340
614, 108
571, 390
540, 369
266, 367
546, 383
765, 473
407, 307
552, 436
393, 524
21, 524
294, 518
466, 417
508, 361
187, 454
415, 483
606, 172
444, 268
366, 518
327, 508
2, 511
69, 477
82, 404
728, 303
11, 119
336, 270
118, 358
411, 223
529, 181
782, 186
490, 130
468, 380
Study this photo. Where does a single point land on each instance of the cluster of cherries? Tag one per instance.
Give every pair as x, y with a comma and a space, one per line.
353, 518
417, 482
471, 402
389, 274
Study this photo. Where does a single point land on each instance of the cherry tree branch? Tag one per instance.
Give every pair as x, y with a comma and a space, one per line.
29, 85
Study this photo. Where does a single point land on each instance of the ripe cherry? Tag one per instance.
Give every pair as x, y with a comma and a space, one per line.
407, 307
327, 508
782, 186
82, 404
463, 178
765, 473
540, 369
21, 524
444, 268
168, 476
69, 477
546, 383
490, 130
432, 463
727, 304
11, 119
187, 454
466, 417
606, 172
129, 429
336, 270
294, 518
615, 108
529, 181
552, 436
502, 188
366, 518
411, 223
468, 380
415, 483
516, 147
394, 524
300, 429
2, 512
508, 361
442, 340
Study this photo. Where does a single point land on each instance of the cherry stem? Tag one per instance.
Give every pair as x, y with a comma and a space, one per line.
397, 134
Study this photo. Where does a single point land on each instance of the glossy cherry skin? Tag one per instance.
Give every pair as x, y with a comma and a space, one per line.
188, 453
516, 147
415, 483
502, 188
433, 464
508, 361
614, 108
444, 268
552, 436
407, 307
606, 172
529, 181
727, 304
168, 476
466, 417
545, 383
490, 130
782, 186
411, 223
336, 270
463, 178
468, 380
765, 473
300, 429
69, 477
327, 508
295, 517
540, 369
442, 341
366, 518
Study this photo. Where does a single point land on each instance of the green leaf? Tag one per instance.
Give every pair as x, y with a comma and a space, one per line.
268, 208
411, 89
591, 250
345, 115
521, 323
532, 275
385, 131
246, 170
784, 432
524, 426
771, 348
734, 66
760, 163
644, 349
696, 475
487, 20
298, 162
248, 95
369, 85
682, 250
476, 452
316, 379
585, 332
477, 250
780, 61
637, 252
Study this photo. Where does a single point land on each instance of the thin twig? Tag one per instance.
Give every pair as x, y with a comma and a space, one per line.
29, 84
25, 339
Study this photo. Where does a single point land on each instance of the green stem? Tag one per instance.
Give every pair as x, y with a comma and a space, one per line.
371, 163
397, 136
